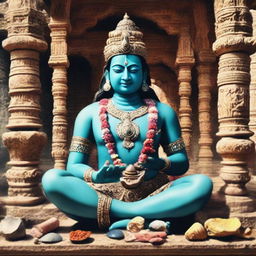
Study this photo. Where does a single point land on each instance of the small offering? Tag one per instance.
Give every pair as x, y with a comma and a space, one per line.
136, 224
220, 227
50, 238
196, 232
115, 234
12, 228
49, 225
79, 236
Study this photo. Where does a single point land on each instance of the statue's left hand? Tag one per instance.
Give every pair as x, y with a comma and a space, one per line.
154, 163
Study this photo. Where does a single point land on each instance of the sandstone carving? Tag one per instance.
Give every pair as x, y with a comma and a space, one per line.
233, 28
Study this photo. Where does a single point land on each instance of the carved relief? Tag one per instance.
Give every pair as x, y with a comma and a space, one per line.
24, 176
233, 101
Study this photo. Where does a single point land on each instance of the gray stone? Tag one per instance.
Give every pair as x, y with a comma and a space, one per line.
50, 238
159, 225
116, 234
12, 228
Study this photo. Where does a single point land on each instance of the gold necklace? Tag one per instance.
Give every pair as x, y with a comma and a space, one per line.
127, 130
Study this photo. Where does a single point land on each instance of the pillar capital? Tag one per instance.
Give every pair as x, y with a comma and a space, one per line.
233, 27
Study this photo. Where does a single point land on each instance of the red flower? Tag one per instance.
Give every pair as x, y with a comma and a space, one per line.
117, 162
150, 134
111, 151
108, 138
103, 101
103, 110
142, 158
104, 124
148, 150
110, 146
153, 110
152, 126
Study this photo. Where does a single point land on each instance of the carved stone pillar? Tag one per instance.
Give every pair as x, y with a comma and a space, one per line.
184, 63
59, 62
205, 83
24, 142
252, 123
233, 45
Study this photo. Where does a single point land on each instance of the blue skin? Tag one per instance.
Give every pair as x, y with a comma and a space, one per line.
71, 194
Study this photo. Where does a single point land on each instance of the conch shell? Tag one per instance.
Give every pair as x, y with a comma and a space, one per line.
136, 224
221, 227
196, 232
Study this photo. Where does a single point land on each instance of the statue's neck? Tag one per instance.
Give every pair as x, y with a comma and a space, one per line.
127, 102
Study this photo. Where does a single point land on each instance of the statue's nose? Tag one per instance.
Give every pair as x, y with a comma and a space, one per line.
126, 75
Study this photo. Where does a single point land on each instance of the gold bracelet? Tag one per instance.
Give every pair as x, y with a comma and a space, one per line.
103, 210
88, 175
167, 164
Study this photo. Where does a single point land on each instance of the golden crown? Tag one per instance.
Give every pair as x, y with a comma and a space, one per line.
125, 39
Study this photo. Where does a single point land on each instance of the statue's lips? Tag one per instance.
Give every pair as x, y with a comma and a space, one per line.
126, 84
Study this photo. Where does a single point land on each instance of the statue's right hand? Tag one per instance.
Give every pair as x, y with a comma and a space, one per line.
108, 173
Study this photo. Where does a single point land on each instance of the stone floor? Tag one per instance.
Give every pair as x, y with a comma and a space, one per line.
102, 245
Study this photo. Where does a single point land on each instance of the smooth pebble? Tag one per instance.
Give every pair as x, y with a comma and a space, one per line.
115, 234
50, 238
158, 225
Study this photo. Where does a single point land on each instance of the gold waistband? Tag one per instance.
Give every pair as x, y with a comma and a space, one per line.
146, 188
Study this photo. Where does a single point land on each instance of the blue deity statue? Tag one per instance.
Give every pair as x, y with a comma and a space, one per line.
128, 124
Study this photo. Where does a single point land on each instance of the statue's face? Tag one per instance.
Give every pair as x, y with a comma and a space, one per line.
126, 74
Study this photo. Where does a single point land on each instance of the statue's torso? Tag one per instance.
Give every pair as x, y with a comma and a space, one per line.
128, 156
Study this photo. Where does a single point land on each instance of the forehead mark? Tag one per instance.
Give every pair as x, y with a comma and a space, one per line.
126, 61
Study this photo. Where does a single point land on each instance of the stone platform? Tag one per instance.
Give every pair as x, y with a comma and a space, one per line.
100, 244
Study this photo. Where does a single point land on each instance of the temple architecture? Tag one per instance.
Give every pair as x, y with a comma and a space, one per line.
202, 62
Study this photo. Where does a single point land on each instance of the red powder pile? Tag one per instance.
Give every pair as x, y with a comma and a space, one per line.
79, 236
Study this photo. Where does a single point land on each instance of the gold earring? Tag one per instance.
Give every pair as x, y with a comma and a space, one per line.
144, 87
107, 86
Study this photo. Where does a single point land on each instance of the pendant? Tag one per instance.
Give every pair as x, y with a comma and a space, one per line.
127, 130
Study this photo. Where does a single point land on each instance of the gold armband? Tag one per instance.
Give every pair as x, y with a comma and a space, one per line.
167, 164
79, 144
174, 147
88, 175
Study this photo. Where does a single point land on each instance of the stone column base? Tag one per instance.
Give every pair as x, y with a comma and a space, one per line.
225, 206
24, 176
